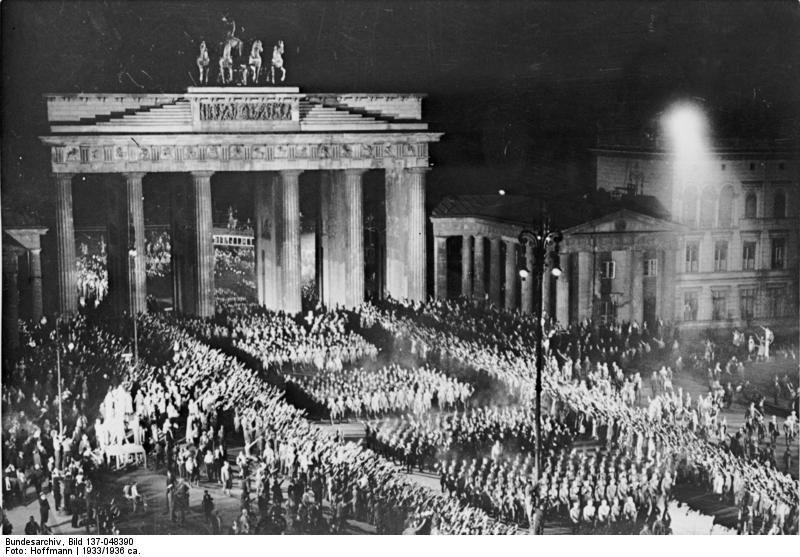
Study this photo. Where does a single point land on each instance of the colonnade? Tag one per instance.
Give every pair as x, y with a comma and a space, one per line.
505, 288
277, 240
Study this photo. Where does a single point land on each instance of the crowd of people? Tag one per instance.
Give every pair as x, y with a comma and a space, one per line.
285, 343
199, 384
359, 392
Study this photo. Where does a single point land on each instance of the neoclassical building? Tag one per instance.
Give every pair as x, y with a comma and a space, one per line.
276, 133
714, 245
738, 205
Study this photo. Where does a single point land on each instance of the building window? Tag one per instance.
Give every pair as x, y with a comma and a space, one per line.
689, 207
692, 257
750, 206
776, 304
651, 267
725, 210
719, 308
748, 256
779, 205
747, 303
608, 270
708, 205
778, 253
721, 256
608, 310
690, 306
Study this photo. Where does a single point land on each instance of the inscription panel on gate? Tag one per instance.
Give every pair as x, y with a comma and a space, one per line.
234, 110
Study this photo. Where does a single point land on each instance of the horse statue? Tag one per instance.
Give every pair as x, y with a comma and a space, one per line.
226, 65
203, 61
255, 59
231, 40
277, 62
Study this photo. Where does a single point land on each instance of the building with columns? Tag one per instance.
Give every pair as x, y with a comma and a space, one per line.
713, 246
22, 279
277, 133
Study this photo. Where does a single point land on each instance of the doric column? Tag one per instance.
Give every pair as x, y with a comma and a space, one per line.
585, 285
479, 270
354, 228
35, 274
511, 275
494, 271
440, 266
291, 290
267, 280
397, 233
204, 244
65, 236
562, 292
136, 264
529, 282
547, 282
667, 279
466, 266
637, 285
10, 300
414, 181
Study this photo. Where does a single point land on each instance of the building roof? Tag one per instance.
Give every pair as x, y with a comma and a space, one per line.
507, 208
564, 212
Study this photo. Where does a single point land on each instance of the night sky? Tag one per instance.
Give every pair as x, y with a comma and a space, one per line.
519, 88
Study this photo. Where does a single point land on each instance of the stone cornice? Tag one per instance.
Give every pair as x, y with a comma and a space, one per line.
245, 152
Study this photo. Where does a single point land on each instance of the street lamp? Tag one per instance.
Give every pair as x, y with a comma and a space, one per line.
131, 271
545, 244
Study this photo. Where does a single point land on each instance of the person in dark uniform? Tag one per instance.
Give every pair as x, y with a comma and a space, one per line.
44, 510
31, 528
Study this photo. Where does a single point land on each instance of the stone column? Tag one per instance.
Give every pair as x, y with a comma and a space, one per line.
667, 280
585, 285
397, 233
511, 275
204, 244
529, 282
562, 292
289, 245
136, 265
264, 241
416, 263
333, 208
35, 275
466, 266
479, 267
354, 228
494, 271
65, 237
547, 281
440, 266
10, 300
637, 285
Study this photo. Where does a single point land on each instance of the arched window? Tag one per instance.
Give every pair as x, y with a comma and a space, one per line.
779, 208
689, 207
750, 202
708, 206
725, 210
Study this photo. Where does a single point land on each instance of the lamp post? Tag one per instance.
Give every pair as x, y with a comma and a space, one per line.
131, 277
545, 245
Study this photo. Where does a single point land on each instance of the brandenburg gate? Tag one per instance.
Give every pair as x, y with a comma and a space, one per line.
277, 132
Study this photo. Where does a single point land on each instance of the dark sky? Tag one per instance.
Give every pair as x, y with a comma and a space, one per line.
519, 88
